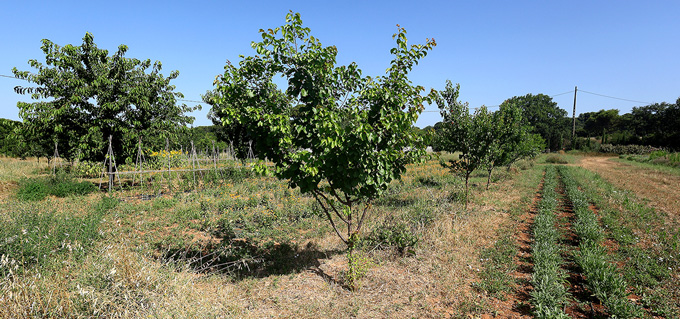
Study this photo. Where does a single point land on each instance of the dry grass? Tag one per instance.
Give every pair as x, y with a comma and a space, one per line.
123, 276
659, 187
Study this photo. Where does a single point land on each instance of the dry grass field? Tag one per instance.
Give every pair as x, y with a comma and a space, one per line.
247, 246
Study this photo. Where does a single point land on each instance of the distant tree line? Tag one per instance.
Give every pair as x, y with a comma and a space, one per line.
657, 125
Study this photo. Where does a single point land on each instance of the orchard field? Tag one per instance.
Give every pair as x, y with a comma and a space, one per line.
247, 246
318, 197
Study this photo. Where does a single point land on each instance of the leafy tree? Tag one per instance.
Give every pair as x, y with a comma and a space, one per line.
84, 95
333, 133
470, 134
547, 119
234, 132
602, 122
511, 139
8, 141
658, 124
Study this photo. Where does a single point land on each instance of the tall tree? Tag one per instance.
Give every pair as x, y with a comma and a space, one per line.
601, 123
84, 95
333, 133
8, 140
658, 124
547, 119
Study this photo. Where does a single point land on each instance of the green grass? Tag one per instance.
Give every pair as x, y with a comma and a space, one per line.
33, 238
556, 159
602, 276
647, 245
647, 165
61, 185
548, 278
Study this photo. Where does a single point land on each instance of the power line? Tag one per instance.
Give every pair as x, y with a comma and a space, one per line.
11, 77
561, 94
192, 101
616, 98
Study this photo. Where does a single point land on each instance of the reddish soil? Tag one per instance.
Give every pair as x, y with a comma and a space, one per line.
582, 304
516, 305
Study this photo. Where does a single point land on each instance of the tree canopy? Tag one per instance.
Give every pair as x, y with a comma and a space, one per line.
547, 119
331, 132
83, 95
656, 124
470, 134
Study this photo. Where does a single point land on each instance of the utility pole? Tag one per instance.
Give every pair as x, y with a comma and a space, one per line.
573, 116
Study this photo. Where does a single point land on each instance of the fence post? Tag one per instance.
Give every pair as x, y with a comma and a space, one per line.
193, 168
109, 154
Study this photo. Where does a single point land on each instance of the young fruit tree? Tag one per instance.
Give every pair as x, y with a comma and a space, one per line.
84, 95
330, 131
470, 134
512, 139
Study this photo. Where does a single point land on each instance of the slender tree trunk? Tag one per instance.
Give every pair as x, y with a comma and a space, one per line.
488, 180
467, 177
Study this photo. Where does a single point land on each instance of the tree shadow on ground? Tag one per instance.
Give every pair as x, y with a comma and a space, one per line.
242, 258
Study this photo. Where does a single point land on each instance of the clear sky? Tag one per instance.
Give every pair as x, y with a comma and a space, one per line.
494, 49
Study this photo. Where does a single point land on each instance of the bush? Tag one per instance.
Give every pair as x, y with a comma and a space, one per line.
555, 159
627, 149
392, 235
87, 169
32, 189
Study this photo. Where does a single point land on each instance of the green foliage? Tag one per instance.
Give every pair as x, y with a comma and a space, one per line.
548, 279
8, 140
332, 132
470, 134
556, 159
512, 139
626, 149
601, 122
87, 169
655, 124
92, 95
546, 118
396, 236
602, 277
62, 185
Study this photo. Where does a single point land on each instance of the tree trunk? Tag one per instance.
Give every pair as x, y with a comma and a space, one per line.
488, 180
467, 177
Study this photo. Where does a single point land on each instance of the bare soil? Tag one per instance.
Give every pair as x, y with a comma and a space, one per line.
661, 189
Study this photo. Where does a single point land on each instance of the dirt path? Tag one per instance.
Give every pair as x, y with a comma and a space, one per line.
661, 189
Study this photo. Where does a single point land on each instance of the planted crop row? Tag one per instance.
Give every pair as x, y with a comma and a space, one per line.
550, 294
602, 277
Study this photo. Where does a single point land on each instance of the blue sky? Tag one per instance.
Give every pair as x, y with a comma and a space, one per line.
494, 49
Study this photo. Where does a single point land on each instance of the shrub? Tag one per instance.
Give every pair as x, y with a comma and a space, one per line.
32, 189
627, 149
392, 235
555, 159
87, 169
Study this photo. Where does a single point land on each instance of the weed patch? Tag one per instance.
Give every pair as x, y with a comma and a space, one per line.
33, 189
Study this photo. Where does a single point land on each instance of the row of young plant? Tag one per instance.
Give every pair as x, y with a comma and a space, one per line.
548, 279
602, 277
